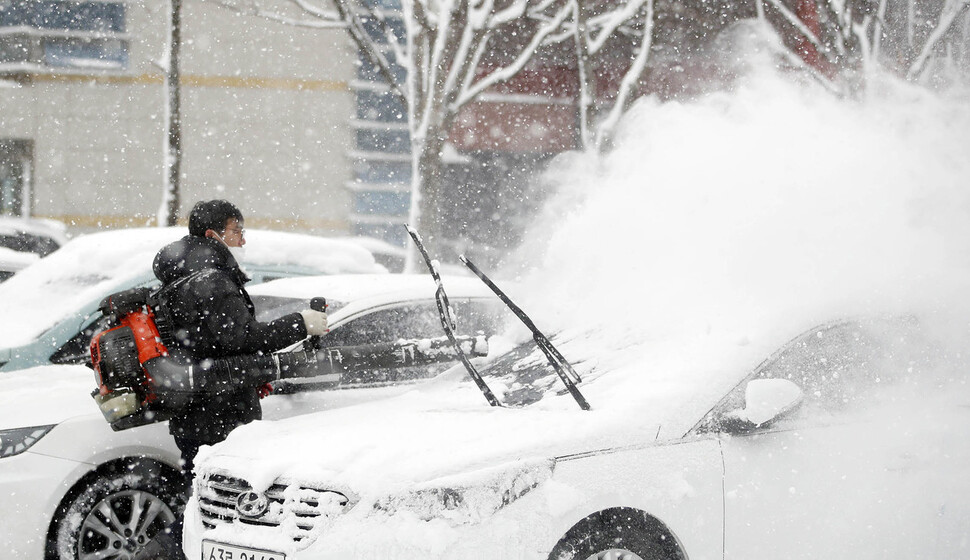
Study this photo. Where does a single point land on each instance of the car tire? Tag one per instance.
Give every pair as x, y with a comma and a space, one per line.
116, 511
618, 534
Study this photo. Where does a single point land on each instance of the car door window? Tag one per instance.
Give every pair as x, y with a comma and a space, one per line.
77, 349
413, 320
838, 366
416, 320
847, 363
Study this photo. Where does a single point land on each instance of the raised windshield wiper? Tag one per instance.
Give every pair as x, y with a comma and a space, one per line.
448, 320
559, 363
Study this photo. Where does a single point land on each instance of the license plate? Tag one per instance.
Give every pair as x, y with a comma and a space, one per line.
218, 551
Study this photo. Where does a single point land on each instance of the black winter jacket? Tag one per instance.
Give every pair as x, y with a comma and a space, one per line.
214, 317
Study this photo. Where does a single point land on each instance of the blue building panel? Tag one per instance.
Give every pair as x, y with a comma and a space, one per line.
382, 203
394, 141
377, 171
381, 106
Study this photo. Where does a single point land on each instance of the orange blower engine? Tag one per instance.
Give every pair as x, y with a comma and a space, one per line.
126, 392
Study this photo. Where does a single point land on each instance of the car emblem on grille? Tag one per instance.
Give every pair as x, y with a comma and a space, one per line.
252, 504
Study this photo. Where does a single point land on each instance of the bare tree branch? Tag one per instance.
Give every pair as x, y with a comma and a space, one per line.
525, 55
951, 11
797, 23
630, 80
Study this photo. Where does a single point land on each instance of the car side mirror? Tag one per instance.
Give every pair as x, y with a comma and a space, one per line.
765, 401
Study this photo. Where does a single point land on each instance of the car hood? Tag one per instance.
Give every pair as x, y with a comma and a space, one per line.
381, 448
445, 426
45, 395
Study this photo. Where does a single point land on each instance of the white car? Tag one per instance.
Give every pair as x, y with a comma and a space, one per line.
50, 307
71, 488
847, 441
24, 240
32, 235
12, 262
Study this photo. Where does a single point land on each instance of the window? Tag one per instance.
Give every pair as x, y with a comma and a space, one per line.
841, 367
16, 164
841, 364
381, 106
384, 139
77, 349
411, 321
48, 35
415, 320
382, 202
367, 71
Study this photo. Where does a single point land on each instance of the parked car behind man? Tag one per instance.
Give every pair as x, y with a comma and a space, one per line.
24, 240
50, 307
12, 262
32, 235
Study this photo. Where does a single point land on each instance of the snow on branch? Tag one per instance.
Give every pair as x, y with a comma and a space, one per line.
951, 11
314, 10
525, 55
630, 80
797, 23
608, 23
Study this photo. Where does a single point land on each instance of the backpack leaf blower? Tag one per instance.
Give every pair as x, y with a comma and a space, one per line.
141, 382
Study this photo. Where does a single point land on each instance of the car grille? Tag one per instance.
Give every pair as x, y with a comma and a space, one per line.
301, 510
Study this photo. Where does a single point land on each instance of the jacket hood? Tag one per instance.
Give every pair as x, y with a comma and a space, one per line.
192, 254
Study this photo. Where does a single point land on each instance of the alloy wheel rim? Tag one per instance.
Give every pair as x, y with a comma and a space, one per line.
121, 524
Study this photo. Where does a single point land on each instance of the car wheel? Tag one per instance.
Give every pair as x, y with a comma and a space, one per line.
115, 513
618, 534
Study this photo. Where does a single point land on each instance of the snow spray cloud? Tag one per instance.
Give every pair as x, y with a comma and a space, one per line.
772, 201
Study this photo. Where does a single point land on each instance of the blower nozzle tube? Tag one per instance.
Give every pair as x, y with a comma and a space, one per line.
170, 375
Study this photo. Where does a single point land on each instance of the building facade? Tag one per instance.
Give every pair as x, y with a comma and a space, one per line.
83, 114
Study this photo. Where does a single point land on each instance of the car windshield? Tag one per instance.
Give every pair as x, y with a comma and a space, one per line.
526, 372
25, 242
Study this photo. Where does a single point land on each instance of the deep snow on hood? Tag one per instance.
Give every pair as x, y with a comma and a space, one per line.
45, 395
712, 233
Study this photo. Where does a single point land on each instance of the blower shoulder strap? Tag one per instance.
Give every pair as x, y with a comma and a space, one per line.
159, 302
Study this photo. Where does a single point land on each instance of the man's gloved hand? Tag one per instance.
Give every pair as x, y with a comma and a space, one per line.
315, 321
265, 390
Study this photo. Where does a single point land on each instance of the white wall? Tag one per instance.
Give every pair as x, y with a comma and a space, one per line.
265, 124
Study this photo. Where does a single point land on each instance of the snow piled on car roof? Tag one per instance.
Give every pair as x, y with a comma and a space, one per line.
715, 231
348, 287
92, 266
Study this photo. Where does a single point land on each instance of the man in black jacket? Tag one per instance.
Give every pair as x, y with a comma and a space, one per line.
213, 317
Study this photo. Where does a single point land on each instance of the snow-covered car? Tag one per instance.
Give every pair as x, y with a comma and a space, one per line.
51, 306
71, 488
846, 441
12, 262
24, 240
32, 235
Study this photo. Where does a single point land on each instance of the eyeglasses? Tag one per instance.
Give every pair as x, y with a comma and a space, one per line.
238, 230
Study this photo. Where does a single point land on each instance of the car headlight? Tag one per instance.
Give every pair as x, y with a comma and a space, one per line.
17, 440
471, 497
